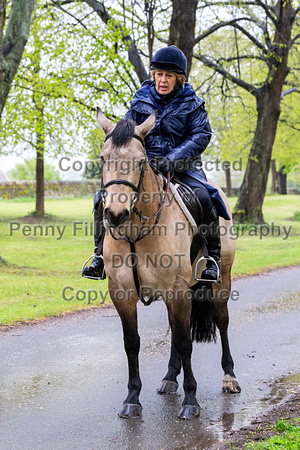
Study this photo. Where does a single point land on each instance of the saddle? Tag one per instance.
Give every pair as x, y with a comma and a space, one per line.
192, 209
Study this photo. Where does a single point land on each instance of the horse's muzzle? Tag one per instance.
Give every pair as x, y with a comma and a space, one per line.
116, 219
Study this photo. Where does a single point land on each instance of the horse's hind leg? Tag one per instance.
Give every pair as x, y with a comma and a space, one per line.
169, 383
128, 314
230, 382
179, 316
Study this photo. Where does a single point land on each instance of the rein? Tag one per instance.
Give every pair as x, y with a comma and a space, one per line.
140, 235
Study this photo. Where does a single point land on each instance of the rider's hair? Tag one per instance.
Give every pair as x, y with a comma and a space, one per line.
180, 78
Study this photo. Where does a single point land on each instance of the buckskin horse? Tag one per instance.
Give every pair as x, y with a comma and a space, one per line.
134, 211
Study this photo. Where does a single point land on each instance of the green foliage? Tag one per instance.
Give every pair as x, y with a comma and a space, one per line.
27, 171
61, 79
95, 143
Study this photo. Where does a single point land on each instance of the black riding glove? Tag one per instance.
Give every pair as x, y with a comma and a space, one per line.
165, 165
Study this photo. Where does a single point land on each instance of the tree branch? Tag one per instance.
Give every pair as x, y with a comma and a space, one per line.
234, 58
59, 5
294, 39
247, 86
216, 27
289, 125
267, 11
252, 38
289, 91
133, 54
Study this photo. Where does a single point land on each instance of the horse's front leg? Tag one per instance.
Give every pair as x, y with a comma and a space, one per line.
169, 383
179, 316
128, 314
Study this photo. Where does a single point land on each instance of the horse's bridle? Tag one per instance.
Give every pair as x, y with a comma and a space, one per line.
141, 234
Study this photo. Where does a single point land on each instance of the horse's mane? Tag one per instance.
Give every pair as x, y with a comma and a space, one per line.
123, 132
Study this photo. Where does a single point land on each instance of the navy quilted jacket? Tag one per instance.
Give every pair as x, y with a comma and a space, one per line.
182, 128
181, 131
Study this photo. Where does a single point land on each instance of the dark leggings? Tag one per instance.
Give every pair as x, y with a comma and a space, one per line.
202, 194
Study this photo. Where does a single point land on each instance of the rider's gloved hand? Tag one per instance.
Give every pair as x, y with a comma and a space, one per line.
165, 165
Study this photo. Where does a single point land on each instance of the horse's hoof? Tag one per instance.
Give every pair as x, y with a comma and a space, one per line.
131, 411
231, 385
189, 412
168, 387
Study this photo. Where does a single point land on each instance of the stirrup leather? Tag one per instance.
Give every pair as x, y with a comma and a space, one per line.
102, 276
208, 258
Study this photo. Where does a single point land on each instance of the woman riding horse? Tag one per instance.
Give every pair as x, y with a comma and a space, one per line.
175, 144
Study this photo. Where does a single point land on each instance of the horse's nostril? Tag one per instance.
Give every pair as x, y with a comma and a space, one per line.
116, 219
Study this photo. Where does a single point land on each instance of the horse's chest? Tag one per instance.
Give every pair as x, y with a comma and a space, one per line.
156, 269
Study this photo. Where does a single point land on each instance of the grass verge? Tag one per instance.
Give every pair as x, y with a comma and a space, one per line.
288, 437
276, 429
41, 259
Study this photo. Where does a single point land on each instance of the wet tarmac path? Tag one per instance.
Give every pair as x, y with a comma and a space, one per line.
63, 381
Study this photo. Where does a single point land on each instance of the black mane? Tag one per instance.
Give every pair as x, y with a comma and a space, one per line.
123, 132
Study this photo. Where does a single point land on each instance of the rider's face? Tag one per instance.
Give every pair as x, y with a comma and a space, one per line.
164, 81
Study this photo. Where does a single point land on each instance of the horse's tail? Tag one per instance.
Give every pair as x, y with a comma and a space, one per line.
203, 325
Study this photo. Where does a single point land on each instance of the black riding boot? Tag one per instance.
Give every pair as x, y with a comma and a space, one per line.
213, 267
96, 269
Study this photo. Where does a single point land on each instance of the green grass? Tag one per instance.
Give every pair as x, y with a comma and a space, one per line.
37, 268
287, 439
256, 254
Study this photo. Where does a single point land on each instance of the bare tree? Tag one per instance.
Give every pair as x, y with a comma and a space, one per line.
13, 39
268, 27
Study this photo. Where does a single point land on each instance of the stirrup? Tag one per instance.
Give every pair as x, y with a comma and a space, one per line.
208, 258
102, 277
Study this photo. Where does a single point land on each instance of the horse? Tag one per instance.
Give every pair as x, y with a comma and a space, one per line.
146, 258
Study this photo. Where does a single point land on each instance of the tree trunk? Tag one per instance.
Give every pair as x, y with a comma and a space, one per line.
38, 101
182, 28
228, 182
252, 193
13, 43
281, 181
273, 174
268, 97
40, 188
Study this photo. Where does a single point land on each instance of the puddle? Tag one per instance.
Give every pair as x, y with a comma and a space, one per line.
279, 389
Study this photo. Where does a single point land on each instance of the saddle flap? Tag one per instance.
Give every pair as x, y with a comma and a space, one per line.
189, 199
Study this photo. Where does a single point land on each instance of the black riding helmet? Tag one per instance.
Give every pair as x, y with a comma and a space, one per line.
170, 59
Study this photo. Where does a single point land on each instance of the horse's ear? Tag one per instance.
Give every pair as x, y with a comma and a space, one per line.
143, 129
104, 123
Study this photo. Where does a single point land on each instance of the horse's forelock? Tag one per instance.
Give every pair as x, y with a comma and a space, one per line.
123, 132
